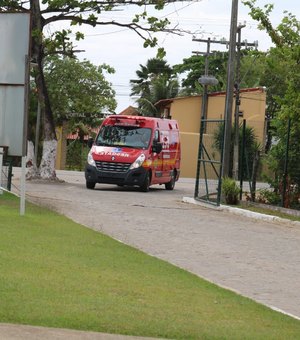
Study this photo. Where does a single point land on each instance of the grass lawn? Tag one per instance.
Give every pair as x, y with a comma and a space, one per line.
265, 210
57, 273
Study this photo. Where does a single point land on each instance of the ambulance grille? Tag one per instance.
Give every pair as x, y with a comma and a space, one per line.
112, 166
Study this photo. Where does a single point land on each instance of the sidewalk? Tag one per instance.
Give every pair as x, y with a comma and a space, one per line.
24, 332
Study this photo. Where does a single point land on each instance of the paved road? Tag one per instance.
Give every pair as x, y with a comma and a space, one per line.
25, 332
259, 259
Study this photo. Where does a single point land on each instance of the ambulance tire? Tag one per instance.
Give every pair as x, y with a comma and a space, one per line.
146, 184
170, 185
90, 185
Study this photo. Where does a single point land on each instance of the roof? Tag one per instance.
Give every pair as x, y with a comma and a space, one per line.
164, 102
246, 90
130, 111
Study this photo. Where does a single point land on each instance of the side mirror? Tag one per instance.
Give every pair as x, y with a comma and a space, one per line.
90, 142
157, 147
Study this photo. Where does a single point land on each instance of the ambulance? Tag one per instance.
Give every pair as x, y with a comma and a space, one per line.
134, 151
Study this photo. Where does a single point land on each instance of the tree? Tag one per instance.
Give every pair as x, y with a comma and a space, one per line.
252, 65
284, 74
79, 94
75, 13
156, 81
78, 91
194, 67
251, 146
161, 88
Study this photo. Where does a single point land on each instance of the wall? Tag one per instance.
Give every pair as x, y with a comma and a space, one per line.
189, 154
61, 152
187, 111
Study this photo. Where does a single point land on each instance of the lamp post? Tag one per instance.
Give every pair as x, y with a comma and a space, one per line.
205, 81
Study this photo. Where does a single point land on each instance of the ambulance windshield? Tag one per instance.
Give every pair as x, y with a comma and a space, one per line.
124, 136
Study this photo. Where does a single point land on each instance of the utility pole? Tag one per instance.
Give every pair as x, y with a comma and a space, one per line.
235, 171
205, 81
229, 90
204, 96
233, 58
204, 99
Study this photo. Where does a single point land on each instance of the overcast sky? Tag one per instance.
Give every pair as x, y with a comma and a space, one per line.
123, 49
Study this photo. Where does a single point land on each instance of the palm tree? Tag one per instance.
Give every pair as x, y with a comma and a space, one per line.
156, 81
160, 88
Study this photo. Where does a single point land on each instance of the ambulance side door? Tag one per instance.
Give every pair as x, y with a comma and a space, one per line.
166, 155
157, 160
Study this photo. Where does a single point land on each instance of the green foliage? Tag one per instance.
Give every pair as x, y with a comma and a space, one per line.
79, 92
230, 190
268, 196
250, 146
77, 152
156, 81
194, 68
251, 69
282, 78
76, 13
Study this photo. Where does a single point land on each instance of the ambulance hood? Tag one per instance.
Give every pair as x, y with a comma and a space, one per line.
115, 154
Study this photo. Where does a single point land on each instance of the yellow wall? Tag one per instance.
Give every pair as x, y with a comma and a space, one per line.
61, 152
187, 111
189, 154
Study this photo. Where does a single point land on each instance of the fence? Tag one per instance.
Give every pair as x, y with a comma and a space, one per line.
279, 166
6, 175
209, 162
283, 162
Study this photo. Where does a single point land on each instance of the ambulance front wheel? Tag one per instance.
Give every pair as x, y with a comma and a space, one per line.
146, 184
90, 185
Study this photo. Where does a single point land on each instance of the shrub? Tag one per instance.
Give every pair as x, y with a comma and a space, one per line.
268, 197
230, 190
76, 155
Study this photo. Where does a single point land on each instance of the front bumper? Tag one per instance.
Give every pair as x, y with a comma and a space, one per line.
130, 177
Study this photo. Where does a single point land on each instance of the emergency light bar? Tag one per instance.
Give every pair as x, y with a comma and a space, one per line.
128, 121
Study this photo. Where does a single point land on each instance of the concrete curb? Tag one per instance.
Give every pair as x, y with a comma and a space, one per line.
243, 212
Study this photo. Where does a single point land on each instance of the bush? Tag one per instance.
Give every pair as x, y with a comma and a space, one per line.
76, 155
230, 190
268, 197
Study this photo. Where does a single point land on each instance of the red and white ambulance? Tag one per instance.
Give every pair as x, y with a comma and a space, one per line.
134, 151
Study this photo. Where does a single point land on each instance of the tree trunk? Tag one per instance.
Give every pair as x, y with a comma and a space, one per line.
49, 135
254, 174
47, 166
31, 167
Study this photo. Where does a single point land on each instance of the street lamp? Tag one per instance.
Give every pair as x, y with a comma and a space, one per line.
208, 80
205, 80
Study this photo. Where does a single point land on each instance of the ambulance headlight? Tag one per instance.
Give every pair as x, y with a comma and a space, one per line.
138, 162
90, 159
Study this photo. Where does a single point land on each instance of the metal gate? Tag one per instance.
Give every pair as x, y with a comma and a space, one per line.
6, 175
209, 162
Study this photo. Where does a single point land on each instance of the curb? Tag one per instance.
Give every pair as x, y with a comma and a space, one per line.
243, 212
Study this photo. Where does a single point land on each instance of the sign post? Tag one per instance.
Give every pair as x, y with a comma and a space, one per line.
14, 84
1, 162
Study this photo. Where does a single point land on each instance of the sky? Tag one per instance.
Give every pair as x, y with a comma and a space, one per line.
123, 50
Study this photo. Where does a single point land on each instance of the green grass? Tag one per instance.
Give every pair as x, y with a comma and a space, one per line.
271, 212
57, 273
